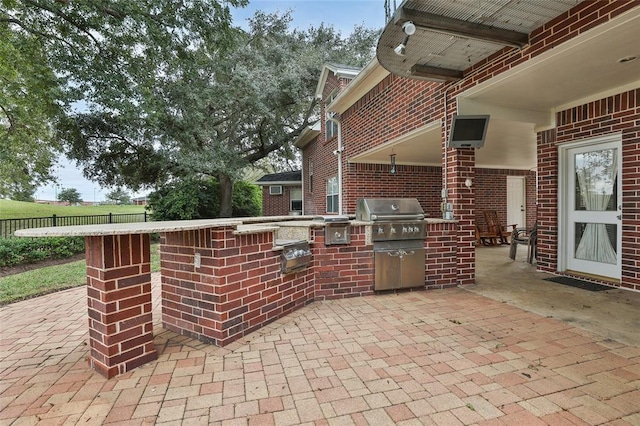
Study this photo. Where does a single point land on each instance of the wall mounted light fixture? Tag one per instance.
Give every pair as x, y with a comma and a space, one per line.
409, 28
401, 49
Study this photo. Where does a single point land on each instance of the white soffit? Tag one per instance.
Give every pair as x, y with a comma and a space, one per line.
422, 146
307, 135
583, 69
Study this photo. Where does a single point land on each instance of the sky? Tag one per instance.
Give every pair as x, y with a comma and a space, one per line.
343, 15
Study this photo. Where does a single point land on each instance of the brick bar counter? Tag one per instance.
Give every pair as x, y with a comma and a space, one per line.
221, 278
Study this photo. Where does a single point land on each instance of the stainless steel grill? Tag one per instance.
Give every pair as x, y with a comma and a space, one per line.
398, 231
394, 218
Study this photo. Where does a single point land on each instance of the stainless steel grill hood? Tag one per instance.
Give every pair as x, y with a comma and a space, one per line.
388, 209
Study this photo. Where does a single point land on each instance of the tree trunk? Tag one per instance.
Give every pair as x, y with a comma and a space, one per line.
226, 195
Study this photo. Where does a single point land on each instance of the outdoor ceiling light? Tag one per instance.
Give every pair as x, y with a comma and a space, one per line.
393, 164
409, 28
402, 47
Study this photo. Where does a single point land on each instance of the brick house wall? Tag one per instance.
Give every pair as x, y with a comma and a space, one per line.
277, 205
615, 114
618, 113
490, 191
320, 152
313, 195
393, 108
376, 181
325, 165
398, 105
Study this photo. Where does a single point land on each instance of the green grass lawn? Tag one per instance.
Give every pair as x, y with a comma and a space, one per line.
52, 278
18, 209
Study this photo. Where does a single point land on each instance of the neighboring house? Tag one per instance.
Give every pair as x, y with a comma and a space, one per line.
281, 193
561, 82
140, 201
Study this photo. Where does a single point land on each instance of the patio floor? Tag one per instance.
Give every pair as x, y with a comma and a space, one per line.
444, 357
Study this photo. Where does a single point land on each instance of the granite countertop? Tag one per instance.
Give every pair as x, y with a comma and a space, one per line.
243, 225
125, 228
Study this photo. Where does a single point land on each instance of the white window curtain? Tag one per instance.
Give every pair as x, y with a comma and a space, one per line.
596, 172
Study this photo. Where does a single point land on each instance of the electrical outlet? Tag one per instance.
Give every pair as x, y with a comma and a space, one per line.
197, 260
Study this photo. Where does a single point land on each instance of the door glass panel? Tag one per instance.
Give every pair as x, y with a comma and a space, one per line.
596, 242
592, 221
596, 180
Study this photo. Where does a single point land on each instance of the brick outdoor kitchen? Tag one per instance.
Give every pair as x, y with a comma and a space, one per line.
222, 278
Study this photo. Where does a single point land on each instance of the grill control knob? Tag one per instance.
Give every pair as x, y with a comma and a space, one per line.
380, 230
392, 230
405, 229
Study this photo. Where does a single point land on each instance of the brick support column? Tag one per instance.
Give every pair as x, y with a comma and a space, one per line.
119, 302
462, 166
547, 257
441, 263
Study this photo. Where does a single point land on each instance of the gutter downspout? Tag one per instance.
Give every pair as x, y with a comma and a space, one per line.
338, 153
302, 169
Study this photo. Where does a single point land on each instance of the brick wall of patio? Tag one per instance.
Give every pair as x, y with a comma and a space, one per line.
615, 114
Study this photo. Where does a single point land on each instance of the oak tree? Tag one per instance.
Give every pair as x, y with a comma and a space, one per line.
157, 91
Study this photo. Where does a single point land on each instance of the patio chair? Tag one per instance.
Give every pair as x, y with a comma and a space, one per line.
494, 226
486, 237
524, 236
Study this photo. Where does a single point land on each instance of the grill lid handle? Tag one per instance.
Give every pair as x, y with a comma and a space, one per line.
397, 216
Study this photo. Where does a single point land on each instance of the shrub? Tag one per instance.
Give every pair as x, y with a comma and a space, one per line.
19, 251
200, 199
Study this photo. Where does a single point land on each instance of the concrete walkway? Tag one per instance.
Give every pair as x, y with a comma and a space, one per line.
445, 357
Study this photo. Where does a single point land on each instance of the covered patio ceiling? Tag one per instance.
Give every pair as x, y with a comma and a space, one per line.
422, 147
450, 36
596, 64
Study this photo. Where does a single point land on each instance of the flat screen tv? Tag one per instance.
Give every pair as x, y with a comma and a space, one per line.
468, 131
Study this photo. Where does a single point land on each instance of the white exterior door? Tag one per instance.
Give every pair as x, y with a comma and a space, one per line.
592, 220
516, 201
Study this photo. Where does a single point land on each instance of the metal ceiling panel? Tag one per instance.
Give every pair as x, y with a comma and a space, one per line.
459, 52
447, 51
516, 15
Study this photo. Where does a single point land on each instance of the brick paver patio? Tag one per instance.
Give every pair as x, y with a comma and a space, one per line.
445, 357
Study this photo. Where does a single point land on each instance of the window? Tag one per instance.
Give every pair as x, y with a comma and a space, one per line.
310, 175
295, 196
332, 195
275, 190
330, 127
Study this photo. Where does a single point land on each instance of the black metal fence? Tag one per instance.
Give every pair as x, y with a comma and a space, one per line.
9, 226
